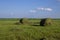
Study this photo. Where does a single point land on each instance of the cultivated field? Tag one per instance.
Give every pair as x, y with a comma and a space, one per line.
10, 31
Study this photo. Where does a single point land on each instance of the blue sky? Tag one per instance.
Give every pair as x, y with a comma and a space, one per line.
29, 8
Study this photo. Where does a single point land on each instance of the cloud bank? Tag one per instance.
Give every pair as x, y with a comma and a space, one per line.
45, 9
41, 9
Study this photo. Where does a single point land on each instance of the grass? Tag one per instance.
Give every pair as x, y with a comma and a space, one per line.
10, 31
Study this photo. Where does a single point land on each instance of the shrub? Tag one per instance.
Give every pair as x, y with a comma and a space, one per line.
46, 21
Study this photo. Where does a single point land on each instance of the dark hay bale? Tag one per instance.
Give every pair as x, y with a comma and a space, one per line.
46, 21
21, 21
24, 21
42, 22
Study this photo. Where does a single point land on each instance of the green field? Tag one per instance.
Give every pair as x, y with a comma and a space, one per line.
10, 31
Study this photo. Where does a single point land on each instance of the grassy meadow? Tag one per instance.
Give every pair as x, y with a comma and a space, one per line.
10, 31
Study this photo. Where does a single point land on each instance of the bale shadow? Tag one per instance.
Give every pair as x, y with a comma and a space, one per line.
43, 39
35, 25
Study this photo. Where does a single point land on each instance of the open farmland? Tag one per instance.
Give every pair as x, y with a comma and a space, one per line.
10, 31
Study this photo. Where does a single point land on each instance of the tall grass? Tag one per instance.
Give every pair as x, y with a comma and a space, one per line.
10, 31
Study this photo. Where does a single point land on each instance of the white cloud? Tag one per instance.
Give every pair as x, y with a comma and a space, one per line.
40, 8
48, 9
45, 9
33, 11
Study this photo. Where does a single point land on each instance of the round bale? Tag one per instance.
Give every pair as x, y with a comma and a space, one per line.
46, 21
24, 21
